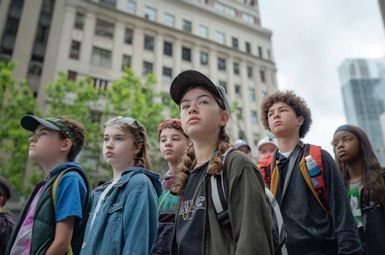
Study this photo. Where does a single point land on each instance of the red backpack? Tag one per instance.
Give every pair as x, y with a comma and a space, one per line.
315, 182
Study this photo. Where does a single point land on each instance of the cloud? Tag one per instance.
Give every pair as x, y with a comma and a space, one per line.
311, 39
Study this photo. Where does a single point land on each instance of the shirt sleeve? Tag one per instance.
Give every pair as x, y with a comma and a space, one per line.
70, 197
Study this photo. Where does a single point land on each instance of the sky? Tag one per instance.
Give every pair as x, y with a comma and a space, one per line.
311, 39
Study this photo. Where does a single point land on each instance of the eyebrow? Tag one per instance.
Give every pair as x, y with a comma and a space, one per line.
198, 97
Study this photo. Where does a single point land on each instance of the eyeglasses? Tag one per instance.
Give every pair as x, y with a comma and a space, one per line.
125, 120
171, 122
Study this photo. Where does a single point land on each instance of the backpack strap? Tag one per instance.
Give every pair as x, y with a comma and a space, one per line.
54, 191
315, 182
266, 168
220, 190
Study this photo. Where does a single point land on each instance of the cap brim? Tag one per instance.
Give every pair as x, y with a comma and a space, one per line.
190, 79
30, 122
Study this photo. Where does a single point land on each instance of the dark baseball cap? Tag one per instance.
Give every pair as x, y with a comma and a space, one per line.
189, 79
31, 122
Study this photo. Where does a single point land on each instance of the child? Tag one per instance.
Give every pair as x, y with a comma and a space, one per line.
123, 218
6, 218
364, 180
266, 147
173, 144
53, 222
204, 112
243, 146
311, 228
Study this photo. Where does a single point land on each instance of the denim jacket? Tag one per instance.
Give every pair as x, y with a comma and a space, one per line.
127, 221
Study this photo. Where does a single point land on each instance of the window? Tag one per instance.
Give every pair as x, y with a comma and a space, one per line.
221, 64
254, 117
72, 75
128, 36
126, 61
250, 72
236, 68
186, 54
150, 13
101, 57
268, 54
248, 18
262, 74
79, 20
252, 96
248, 47
75, 49
204, 58
260, 52
238, 91
109, 2
169, 20
167, 72
149, 42
203, 31
187, 26
234, 42
223, 84
104, 28
167, 48
131, 6
35, 67
220, 37
147, 68
225, 9
100, 83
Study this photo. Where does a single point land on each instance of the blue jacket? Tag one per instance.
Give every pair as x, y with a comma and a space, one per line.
127, 221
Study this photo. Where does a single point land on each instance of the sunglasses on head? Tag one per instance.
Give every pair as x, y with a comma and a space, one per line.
125, 120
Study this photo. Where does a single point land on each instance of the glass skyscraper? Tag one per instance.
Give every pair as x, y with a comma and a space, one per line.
363, 91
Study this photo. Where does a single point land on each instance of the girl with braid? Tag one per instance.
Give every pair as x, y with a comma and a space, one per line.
204, 112
123, 218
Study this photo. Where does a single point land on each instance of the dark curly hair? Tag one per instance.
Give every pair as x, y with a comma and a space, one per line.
297, 103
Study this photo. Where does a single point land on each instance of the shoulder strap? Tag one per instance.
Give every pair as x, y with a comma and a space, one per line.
317, 181
54, 191
219, 188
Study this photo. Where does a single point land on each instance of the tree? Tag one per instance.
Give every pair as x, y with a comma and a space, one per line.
16, 100
128, 96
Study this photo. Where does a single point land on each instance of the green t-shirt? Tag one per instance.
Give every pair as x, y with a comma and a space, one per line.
354, 194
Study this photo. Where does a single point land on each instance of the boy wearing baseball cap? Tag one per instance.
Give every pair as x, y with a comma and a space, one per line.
55, 215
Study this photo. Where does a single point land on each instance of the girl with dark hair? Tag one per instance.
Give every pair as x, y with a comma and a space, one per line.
364, 180
204, 112
173, 143
123, 218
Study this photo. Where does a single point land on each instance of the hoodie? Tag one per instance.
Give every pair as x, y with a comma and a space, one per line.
127, 221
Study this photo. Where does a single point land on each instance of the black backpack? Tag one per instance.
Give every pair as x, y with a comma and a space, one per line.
219, 193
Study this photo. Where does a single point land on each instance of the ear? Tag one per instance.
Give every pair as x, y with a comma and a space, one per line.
300, 120
66, 146
224, 118
137, 148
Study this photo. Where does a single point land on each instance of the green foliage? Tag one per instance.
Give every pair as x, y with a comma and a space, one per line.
80, 100
16, 100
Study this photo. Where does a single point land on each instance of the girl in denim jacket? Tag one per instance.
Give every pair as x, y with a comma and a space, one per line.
123, 218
